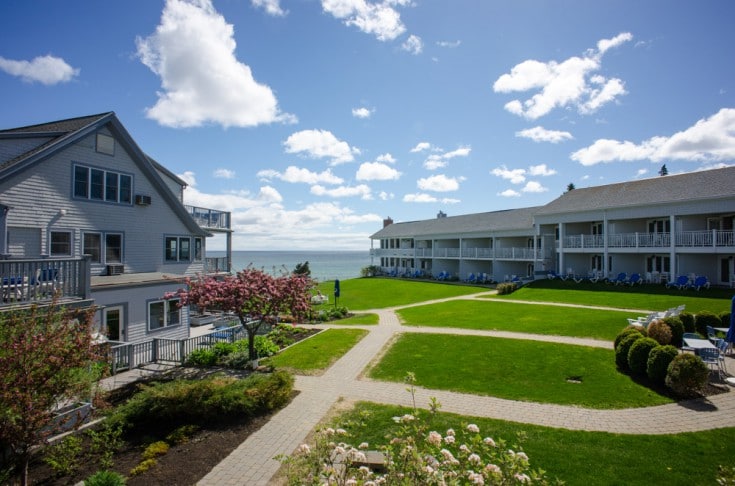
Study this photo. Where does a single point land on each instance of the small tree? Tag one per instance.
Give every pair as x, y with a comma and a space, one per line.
252, 295
47, 358
302, 269
570, 187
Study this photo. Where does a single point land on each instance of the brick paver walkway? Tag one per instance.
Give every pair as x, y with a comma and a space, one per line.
252, 462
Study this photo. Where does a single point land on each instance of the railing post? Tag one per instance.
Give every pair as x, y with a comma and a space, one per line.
182, 342
131, 356
154, 350
84, 272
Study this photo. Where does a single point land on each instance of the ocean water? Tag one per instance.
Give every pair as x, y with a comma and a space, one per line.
324, 265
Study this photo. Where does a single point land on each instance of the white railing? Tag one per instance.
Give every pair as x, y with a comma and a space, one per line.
691, 239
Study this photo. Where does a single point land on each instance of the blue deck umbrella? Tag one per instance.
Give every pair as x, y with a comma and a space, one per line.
731, 332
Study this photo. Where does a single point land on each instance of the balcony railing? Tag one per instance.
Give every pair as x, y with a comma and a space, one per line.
217, 265
24, 282
690, 239
513, 253
210, 218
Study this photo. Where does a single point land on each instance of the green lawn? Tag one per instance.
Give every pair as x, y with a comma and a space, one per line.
646, 297
358, 320
379, 293
531, 318
514, 369
317, 353
576, 457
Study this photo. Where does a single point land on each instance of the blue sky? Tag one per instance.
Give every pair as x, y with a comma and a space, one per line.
312, 120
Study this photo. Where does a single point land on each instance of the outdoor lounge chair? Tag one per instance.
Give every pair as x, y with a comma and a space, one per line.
620, 279
681, 282
634, 279
699, 282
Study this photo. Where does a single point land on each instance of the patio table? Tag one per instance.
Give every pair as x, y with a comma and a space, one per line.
698, 344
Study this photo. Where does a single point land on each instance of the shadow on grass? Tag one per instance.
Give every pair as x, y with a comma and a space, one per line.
657, 289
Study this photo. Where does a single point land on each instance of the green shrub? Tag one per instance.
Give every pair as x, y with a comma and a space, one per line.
63, 457
677, 330
143, 467
215, 399
687, 319
265, 346
105, 441
627, 332
704, 319
638, 355
105, 478
621, 352
659, 331
202, 357
506, 288
239, 360
181, 435
687, 375
724, 319
658, 362
156, 449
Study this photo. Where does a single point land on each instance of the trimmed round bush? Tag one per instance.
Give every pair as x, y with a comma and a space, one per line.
638, 355
677, 330
687, 375
659, 360
724, 319
627, 332
621, 352
687, 319
704, 319
659, 331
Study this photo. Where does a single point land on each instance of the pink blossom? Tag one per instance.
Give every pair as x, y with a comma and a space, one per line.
493, 469
474, 459
523, 478
489, 441
449, 439
434, 438
473, 428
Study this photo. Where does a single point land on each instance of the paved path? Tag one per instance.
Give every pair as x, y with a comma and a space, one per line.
252, 462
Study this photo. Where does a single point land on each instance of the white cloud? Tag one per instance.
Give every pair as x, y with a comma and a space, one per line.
572, 82
413, 45
420, 147
535, 187
319, 144
299, 175
439, 160
387, 158
46, 70
260, 220
193, 52
439, 183
515, 176
449, 44
362, 112
224, 174
641, 173
540, 170
271, 7
509, 193
427, 198
541, 134
379, 18
386, 196
376, 171
362, 190
710, 139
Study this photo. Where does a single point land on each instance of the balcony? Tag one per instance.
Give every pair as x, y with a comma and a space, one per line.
27, 282
682, 239
216, 265
210, 219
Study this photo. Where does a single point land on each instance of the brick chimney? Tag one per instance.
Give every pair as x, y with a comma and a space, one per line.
387, 222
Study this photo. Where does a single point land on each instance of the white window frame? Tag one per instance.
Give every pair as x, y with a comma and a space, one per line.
171, 316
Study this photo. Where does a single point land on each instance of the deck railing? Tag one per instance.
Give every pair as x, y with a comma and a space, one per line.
688, 239
216, 264
212, 219
26, 281
479, 253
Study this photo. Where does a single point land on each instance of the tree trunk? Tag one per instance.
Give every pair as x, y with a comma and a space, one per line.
252, 329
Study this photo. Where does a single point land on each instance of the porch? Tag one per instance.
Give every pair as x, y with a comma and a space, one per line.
26, 282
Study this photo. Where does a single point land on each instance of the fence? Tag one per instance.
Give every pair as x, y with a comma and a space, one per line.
127, 356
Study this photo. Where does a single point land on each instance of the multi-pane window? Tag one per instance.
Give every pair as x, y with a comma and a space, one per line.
178, 249
60, 243
102, 185
163, 313
92, 245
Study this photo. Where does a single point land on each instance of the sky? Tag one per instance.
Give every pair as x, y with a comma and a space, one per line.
314, 120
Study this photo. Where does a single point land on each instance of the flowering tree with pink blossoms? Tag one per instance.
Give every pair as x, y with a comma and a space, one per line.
252, 295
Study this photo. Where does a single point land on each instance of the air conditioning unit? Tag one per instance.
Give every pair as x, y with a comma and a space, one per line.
142, 200
115, 269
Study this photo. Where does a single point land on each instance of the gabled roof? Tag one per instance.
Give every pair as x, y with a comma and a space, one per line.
692, 186
64, 133
507, 220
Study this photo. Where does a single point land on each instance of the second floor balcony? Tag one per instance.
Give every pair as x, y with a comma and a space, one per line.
210, 219
478, 253
681, 239
26, 282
